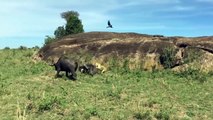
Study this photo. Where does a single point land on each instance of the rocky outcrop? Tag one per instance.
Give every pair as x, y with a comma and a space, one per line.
140, 50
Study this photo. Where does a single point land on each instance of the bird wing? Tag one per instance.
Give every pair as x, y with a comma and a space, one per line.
109, 24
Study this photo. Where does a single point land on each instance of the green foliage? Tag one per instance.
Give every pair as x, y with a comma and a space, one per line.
113, 94
191, 55
193, 74
162, 115
68, 14
190, 113
48, 40
126, 65
22, 47
60, 32
6, 48
36, 47
74, 26
167, 58
91, 111
119, 65
143, 116
73, 23
50, 102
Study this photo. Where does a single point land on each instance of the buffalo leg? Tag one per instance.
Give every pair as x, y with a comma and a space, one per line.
73, 75
67, 74
58, 71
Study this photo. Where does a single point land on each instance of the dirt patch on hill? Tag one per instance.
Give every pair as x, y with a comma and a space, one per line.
141, 50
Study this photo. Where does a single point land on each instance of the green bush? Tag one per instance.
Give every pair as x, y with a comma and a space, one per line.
192, 54
193, 74
6, 48
162, 115
125, 66
167, 58
143, 116
119, 65
60, 32
48, 40
74, 26
22, 48
36, 47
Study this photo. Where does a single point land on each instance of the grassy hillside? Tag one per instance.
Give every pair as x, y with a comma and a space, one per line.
29, 90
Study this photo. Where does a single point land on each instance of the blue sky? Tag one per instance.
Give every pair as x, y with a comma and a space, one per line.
27, 22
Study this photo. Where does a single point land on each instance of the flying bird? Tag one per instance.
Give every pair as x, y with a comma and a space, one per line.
109, 24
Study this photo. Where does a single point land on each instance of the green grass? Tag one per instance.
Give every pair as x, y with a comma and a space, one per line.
30, 90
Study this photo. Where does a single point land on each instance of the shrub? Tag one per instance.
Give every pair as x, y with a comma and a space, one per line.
22, 48
119, 65
167, 58
143, 116
162, 115
48, 40
60, 32
6, 48
36, 47
193, 74
28, 54
73, 26
191, 55
126, 65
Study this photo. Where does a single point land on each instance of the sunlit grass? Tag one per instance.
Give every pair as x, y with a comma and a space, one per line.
29, 90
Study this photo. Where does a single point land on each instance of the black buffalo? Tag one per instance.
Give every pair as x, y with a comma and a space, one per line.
67, 65
88, 69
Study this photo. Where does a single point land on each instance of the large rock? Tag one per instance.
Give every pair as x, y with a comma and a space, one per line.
139, 50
